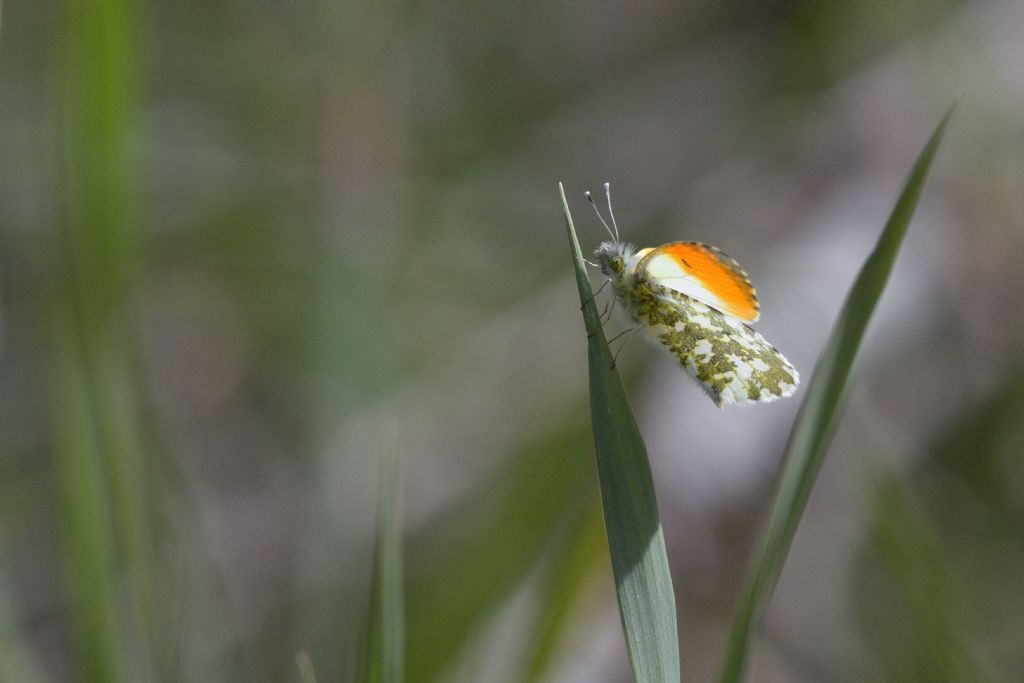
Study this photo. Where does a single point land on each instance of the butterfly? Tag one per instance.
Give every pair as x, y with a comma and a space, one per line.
697, 303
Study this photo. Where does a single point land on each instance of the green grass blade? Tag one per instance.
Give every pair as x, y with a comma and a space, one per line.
819, 412
475, 559
574, 564
101, 458
937, 645
304, 665
387, 639
88, 539
646, 598
15, 664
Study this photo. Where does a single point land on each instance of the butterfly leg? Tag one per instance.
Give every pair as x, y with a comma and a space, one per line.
620, 335
606, 313
605, 316
594, 295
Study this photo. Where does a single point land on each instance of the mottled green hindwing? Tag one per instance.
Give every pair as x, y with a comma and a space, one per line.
732, 362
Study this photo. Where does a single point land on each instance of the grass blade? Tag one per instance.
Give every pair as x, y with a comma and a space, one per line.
937, 643
519, 514
14, 651
635, 540
574, 564
88, 539
387, 639
304, 665
819, 412
101, 459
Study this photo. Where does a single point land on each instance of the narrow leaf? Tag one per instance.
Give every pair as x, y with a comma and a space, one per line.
388, 637
88, 539
304, 664
635, 540
819, 412
576, 560
14, 650
105, 485
938, 644
476, 558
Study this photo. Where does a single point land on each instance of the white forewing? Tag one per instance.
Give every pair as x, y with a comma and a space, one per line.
667, 272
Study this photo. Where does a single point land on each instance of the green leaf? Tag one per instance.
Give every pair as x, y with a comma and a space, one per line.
15, 664
107, 499
935, 641
487, 546
575, 561
819, 412
388, 627
639, 563
88, 536
304, 664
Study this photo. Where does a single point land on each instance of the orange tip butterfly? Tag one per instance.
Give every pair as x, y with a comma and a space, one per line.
697, 302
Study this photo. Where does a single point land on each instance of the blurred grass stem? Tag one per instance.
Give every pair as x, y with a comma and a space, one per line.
100, 456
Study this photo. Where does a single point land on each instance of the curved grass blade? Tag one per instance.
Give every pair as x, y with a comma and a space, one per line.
387, 659
106, 492
515, 517
938, 645
819, 412
14, 651
635, 540
304, 665
575, 561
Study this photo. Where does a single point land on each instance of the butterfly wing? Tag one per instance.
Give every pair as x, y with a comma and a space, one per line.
732, 362
704, 273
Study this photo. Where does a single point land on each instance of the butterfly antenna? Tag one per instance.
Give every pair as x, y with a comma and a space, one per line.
608, 196
590, 199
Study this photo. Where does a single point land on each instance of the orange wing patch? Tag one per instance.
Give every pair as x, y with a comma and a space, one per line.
705, 273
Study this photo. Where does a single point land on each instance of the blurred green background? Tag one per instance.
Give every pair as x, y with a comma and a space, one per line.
249, 248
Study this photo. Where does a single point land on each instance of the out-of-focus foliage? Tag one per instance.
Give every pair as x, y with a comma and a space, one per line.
939, 579
244, 243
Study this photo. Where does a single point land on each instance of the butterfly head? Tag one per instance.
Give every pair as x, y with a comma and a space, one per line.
612, 256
